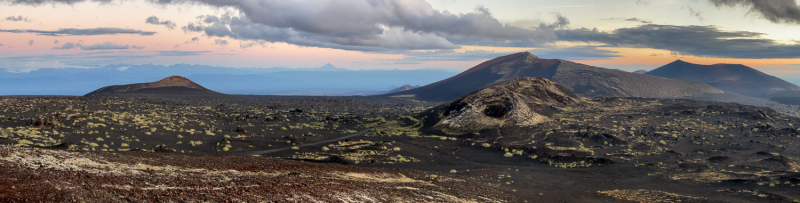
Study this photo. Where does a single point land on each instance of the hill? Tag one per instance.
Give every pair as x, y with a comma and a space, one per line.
582, 79
521, 101
402, 88
735, 78
170, 86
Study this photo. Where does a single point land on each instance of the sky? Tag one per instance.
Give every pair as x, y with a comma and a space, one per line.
397, 34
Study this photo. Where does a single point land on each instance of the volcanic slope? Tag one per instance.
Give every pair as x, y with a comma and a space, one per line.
735, 78
521, 101
402, 88
44, 175
582, 79
170, 86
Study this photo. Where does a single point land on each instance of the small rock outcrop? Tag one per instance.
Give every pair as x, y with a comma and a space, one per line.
5, 133
520, 101
52, 122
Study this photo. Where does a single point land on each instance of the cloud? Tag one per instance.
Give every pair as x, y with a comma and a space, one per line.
123, 68
221, 42
101, 46
181, 53
104, 46
17, 19
1, 45
367, 25
637, 20
30, 43
176, 46
68, 45
56, 42
245, 45
393, 38
576, 53
696, 14
568, 53
74, 60
704, 41
191, 27
85, 32
193, 40
43, 2
776, 11
629, 20
154, 20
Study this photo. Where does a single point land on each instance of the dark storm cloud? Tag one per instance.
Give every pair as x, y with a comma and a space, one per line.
776, 11
87, 31
155, 21
103, 46
17, 18
688, 40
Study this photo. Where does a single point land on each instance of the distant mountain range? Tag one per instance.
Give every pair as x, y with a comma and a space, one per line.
734, 78
326, 80
585, 80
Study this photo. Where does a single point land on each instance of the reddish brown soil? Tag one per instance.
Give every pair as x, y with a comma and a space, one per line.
39, 175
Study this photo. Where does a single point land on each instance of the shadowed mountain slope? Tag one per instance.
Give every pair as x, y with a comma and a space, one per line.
402, 88
735, 78
582, 79
516, 102
170, 86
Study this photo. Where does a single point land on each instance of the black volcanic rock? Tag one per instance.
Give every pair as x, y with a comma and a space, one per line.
170, 86
516, 102
582, 79
734, 78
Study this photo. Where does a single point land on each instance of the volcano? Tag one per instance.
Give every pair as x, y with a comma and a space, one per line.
170, 86
585, 80
734, 78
